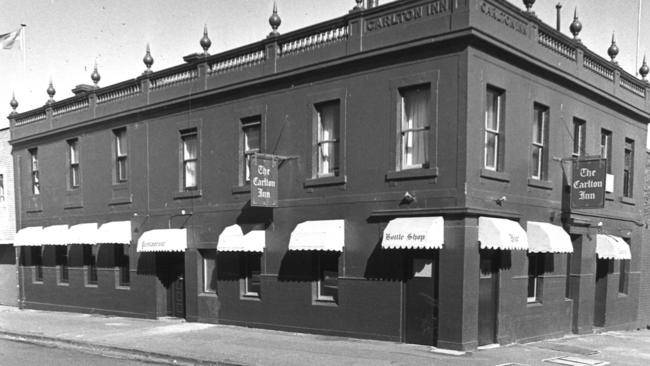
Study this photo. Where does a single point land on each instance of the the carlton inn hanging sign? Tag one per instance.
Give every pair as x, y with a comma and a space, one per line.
264, 180
588, 183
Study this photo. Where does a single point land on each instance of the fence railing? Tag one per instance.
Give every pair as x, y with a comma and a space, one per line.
175, 78
242, 60
74, 106
120, 93
314, 40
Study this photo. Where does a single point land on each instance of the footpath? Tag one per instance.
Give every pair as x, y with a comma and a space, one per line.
177, 342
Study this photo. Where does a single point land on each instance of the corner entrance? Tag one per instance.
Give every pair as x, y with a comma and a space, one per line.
421, 297
170, 269
603, 268
488, 295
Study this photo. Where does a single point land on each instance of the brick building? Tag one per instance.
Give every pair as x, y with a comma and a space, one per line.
424, 150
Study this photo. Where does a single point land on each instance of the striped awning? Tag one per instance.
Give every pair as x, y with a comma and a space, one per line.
494, 233
612, 247
232, 239
54, 235
83, 234
544, 237
327, 235
414, 233
163, 240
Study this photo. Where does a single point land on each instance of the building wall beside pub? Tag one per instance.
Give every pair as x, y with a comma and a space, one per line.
8, 275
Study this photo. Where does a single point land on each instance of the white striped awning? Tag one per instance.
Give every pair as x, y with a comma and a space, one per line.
163, 240
612, 247
83, 234
54, 235
494, 233
414, 233
328, 235
544, 237
232, 239
28, 236
114, 232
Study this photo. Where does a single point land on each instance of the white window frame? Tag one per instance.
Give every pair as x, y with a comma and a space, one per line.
494, 133
121, 155
247, 126
207, 277
187, 160
36, 183
539, 146
405, 134
74, 165
325, 142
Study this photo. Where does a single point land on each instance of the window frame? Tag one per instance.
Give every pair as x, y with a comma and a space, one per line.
62, 258
248, 124
2, 187
185, 136
624, 275
402, 160
91, 275
320, 270
34, 171
606, 148
536, 263
497, 134
207, 279
628, 168
120, 155
540, 169
579, 137
74, 165
333, 141
37, 262
250, 262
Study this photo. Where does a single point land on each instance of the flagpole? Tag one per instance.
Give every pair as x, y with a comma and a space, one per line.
23, 44
638, 40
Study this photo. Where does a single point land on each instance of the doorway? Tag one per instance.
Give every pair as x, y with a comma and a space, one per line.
170, 268
421, 297
488, 299
603, 268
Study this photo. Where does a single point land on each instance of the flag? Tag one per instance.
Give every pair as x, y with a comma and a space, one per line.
8, 40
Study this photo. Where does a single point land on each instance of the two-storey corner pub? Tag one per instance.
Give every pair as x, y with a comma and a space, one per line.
446, 172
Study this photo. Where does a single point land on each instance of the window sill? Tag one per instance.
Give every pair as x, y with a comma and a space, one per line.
609, 196
628, 201
71, 205
120, 201
187, 194
255, 298
495, 175
241, 189
122, 287
416, 173
37, 282
325, 181
64, 284
91, 285
326, 303
208, 294
537, 183
533, 303
622, 294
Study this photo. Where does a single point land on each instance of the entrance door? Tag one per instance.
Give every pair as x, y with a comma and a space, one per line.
488, 295
171, 272
600, 303
421, 297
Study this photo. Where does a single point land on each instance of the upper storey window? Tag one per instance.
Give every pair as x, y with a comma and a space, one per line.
327, 145
119, 137
251, 129
628, 168
579, 137
190, 159
539, 148
414, 126
606, 148
36, 183
73, 163
494, 129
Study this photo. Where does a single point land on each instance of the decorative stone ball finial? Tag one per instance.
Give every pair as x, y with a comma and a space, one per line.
359, 6
575, 26
529, 5
612, 51
274, 20
13, 103
205, 41
148, 60
51, 91
644, 69
95, 77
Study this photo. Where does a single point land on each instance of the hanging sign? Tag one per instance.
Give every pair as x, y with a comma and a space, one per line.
264, 180
588, 183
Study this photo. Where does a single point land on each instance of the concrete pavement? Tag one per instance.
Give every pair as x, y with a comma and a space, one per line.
178, 342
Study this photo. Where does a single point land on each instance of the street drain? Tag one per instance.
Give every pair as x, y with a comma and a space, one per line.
575, 361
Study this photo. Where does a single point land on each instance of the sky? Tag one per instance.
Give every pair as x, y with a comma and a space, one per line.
65, 38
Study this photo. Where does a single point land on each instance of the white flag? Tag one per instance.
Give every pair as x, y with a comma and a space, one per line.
8, 40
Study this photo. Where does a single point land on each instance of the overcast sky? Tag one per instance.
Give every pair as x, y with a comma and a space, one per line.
65, 38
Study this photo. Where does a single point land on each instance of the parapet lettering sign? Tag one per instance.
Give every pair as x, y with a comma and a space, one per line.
407, 15
264, 181
588, 183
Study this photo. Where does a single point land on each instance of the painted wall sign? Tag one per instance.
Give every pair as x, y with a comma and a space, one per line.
264, 181
588, 183
407, 15
503, 17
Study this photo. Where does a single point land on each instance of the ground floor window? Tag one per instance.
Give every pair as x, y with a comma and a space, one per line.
37, 263
535, 279
209, 271
250, 274
122, 263
327, 274
61, 254
90, 264
624, 276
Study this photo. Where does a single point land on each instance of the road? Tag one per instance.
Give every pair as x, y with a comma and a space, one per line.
16, 353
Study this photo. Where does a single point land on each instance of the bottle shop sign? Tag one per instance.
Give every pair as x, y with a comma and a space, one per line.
264, 181
588, 183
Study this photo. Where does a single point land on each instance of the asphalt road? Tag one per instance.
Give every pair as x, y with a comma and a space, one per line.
16, 353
